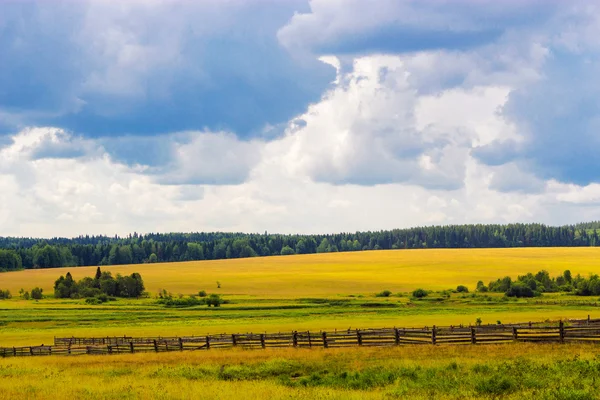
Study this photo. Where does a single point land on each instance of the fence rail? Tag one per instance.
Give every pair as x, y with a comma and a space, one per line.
586, 330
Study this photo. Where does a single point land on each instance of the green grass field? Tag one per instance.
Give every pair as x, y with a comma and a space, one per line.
311, 292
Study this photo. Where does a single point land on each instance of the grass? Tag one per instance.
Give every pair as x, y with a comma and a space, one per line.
516, 371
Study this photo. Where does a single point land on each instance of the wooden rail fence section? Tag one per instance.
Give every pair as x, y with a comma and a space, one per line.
587, 330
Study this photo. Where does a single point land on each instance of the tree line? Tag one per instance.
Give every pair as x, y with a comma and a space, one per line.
27, 253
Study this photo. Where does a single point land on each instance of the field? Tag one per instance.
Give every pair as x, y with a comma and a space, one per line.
338, 273
514, 371
309, 292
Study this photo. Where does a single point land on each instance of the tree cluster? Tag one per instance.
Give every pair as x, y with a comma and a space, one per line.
18, 253
103, 283
168, 300
531, 285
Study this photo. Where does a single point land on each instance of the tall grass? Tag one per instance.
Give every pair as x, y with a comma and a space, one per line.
519, 371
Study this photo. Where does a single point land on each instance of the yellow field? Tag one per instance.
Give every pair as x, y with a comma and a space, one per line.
335, 273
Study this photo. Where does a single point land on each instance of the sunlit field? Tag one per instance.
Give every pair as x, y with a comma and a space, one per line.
335, 273
312, 292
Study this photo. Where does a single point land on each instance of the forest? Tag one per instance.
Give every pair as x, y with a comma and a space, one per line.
28, 253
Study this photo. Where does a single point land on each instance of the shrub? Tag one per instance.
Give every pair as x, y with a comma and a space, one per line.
519, 289
481, 287
92, 301
5, 294
36, 293
202, 293
214, 300
462, 289
181, 303
420, 293
102, 297
385, 293
25, 295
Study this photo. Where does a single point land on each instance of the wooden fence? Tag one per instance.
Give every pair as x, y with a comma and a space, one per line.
587, 330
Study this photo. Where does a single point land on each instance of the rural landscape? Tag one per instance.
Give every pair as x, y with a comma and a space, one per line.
299, 199
362, 324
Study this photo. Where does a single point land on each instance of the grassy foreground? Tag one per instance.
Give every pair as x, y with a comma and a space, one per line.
513, 371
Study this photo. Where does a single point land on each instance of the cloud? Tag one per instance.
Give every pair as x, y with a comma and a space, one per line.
142, 68
374, 128
357, 27
210, 158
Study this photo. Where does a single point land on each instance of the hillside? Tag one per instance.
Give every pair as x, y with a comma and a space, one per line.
335, 273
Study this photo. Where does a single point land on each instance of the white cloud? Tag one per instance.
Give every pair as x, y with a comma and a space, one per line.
210, 158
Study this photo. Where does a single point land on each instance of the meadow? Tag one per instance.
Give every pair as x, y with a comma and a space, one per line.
319, 291
513, 371
308, 292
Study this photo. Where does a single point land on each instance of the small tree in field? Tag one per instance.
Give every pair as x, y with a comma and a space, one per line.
214, 300
420, 293
36, 293
462, 289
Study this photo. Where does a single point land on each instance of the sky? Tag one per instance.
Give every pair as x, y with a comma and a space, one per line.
296, 116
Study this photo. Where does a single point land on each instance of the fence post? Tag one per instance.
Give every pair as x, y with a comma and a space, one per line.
155, 346
309, 341
561, 331
515, 333
234, 340
359, 337
131, 346
87, 349
588, 320
295, 338
109, 348
473, 336
180, 344
207, 342
31, 350
433, 338
397, 336
262, 340
324, 335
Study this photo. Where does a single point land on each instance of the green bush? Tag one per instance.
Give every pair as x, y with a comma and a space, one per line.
420, 293
385, 293
36, 293
202, 293
462, 289
5, 294
214, 300
518, 289
183, 302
